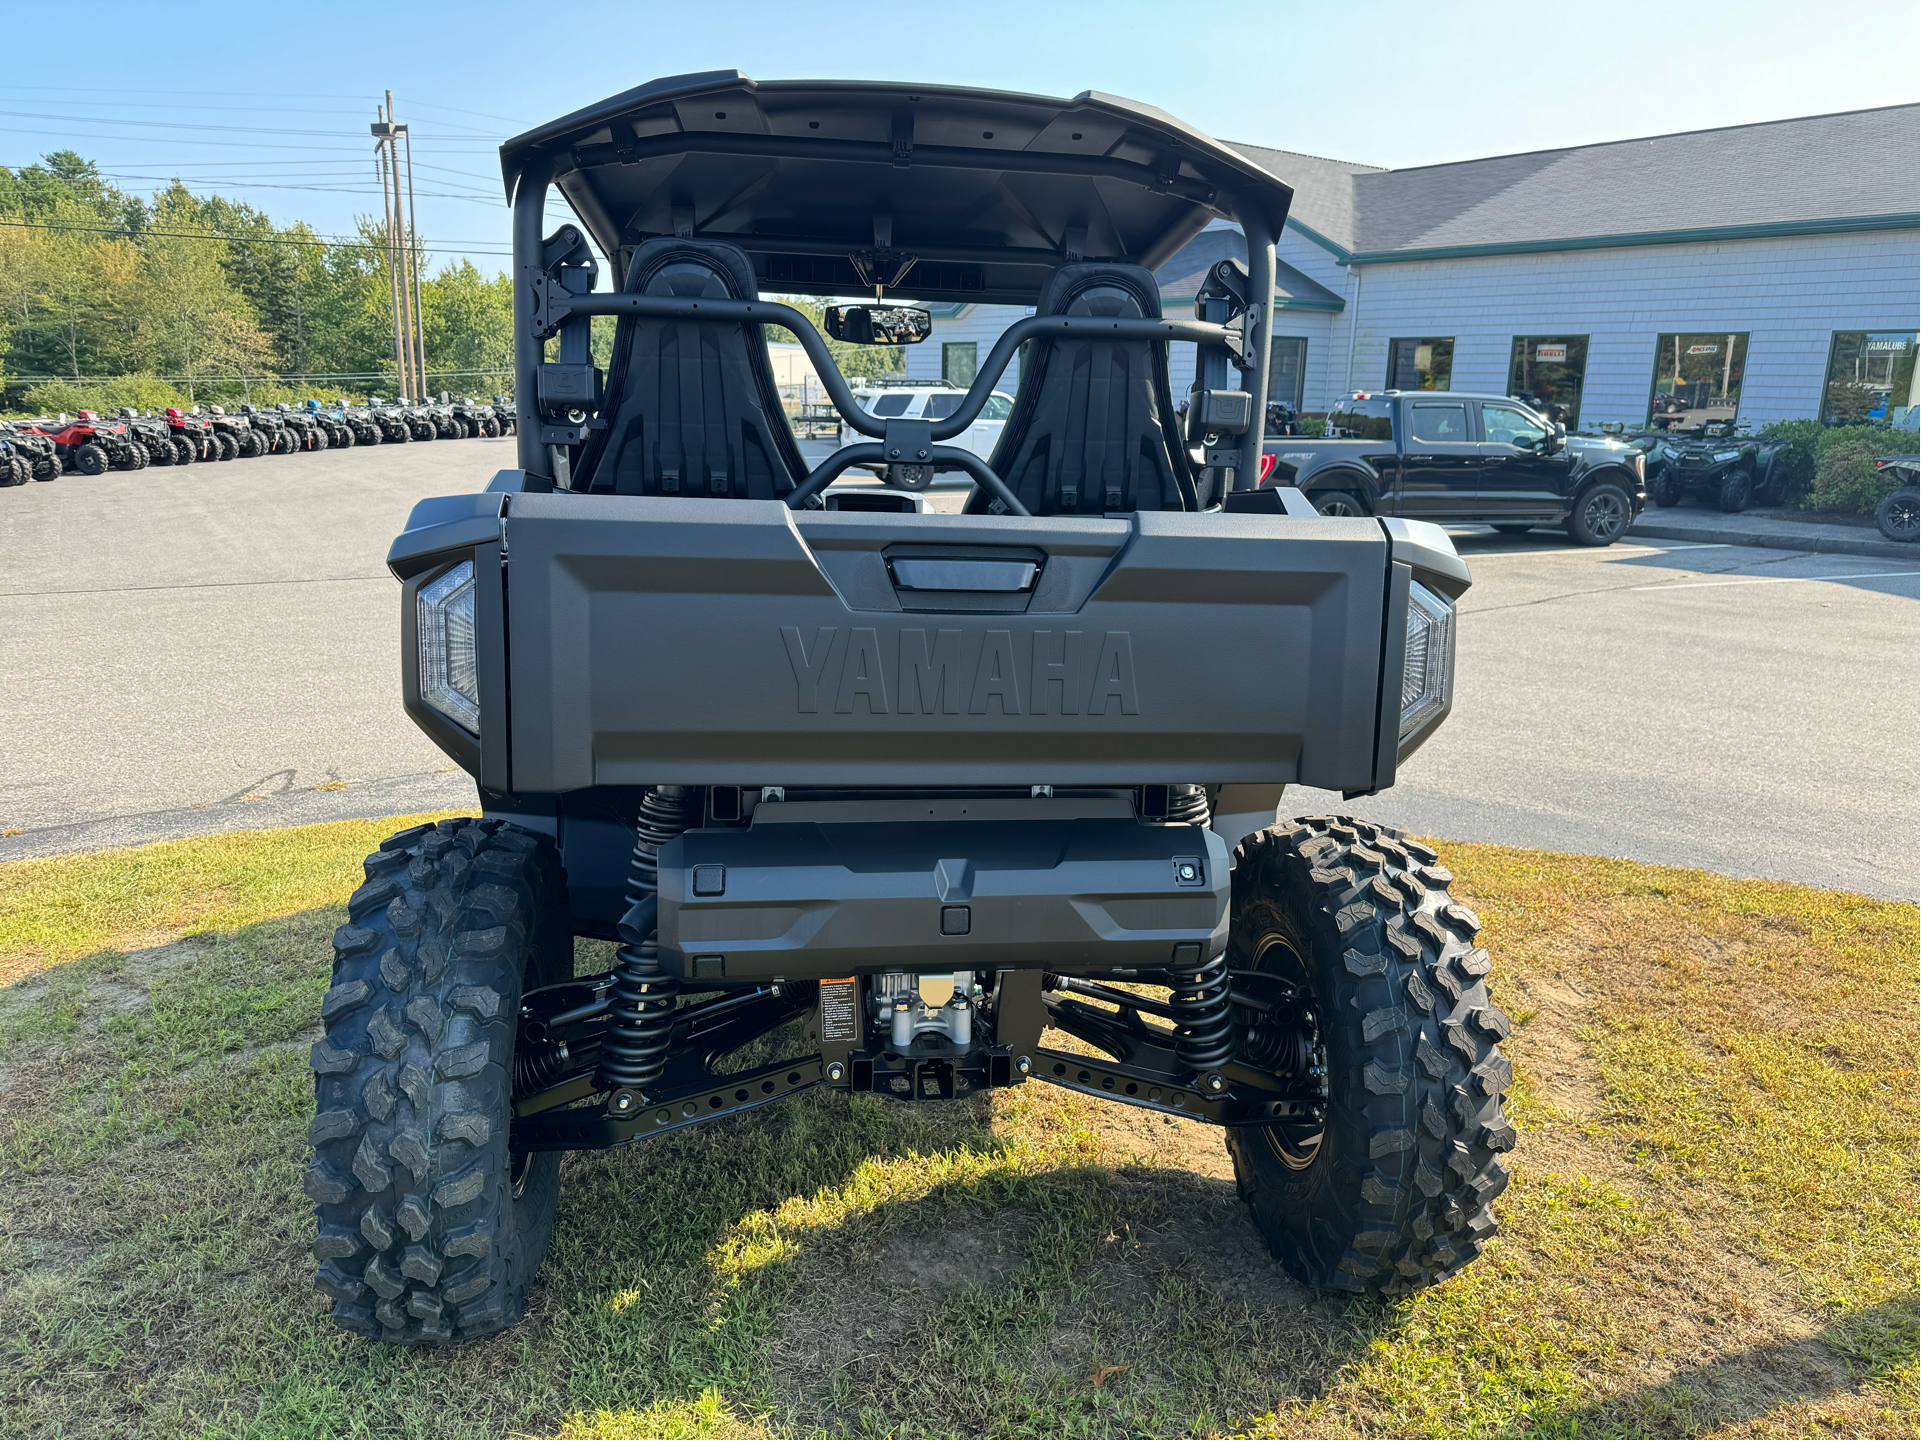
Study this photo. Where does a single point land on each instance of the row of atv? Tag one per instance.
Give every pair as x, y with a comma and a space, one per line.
92, 444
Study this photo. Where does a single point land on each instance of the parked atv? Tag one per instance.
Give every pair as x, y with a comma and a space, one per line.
422, 423
1898, 516
192, 434
235, 435
89, 445
473, 417
505, 413
33, 448
1721, 464
150, 436
276, 435
361, 423
391, 417
304, 426
15, 466
333, 420
923, 787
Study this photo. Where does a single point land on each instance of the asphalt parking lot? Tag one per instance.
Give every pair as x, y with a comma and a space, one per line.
191, 650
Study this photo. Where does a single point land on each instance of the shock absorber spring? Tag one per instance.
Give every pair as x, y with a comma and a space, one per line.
640, 1001
1203, 1021
1187, 805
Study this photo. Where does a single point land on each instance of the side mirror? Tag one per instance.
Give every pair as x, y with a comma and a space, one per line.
879, 324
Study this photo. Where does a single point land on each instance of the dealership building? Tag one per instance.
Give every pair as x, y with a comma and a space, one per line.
1764, 271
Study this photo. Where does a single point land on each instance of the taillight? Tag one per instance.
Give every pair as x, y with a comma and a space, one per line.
1267, 469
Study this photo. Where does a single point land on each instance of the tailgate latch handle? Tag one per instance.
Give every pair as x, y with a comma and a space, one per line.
1006, 576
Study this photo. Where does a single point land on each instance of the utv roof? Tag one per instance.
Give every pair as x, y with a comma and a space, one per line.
831, 185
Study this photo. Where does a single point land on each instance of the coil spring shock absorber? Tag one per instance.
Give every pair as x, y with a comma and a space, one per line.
1203, 1020
640, 1003
1187, 805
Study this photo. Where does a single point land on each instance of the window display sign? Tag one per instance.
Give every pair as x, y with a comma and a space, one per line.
1871, 379
1425, 364
1546, 372
1697, 378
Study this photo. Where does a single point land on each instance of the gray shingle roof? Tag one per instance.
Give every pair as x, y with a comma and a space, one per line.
1820, 168
1182, 275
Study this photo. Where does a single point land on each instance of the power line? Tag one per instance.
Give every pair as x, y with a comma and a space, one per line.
317, 242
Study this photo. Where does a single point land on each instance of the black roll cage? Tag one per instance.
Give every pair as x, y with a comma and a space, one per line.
543, 304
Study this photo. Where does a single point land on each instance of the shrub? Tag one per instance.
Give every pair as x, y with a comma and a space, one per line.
143, 392
1845, 478
1813, 483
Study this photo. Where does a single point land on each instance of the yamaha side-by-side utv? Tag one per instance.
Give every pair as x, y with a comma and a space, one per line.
955, 802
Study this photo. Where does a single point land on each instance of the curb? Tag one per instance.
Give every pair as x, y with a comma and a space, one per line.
1778, 539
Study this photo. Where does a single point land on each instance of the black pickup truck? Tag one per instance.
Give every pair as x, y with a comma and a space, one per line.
1452, 456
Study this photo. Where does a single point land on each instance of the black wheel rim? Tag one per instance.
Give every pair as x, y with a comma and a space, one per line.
1904, 516
1295, 1144
1605, 515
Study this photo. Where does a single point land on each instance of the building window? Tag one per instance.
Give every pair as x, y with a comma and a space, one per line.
959, 360
1546, 371
1871, 378
1697, 378
1286, 367
1420, 364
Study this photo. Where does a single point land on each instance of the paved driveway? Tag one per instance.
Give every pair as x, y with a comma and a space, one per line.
201, 649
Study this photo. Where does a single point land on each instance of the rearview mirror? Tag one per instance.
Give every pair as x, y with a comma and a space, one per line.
879, 324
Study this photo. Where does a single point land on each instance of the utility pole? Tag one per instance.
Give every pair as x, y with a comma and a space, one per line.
403, 270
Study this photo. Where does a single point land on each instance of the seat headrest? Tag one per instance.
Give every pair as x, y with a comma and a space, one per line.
669, 265
1122, 291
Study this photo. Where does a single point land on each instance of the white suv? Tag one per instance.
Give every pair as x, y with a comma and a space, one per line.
932, 400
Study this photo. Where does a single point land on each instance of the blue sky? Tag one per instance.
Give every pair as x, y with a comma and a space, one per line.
271, 105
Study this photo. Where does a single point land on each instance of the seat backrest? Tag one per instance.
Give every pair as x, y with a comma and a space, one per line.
1094, 430
692, 406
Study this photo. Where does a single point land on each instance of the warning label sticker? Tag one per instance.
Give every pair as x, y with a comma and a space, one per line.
840, 1010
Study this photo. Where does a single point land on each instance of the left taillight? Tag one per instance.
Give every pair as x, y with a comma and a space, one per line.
449, 673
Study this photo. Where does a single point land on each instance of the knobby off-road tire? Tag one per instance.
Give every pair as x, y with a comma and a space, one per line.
429, 1229
184, 450
226, 446
90, 459
1737, 490
1393, 1195
1665, 492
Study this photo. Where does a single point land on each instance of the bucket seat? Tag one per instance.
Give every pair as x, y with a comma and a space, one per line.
695, 411
1094, 430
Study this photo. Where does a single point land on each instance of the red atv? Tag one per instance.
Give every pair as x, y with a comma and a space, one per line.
194, 437
90, 445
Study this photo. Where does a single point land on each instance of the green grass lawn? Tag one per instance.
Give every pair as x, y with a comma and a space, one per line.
1711, 1228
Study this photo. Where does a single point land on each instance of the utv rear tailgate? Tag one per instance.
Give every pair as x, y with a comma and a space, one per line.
739, 642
